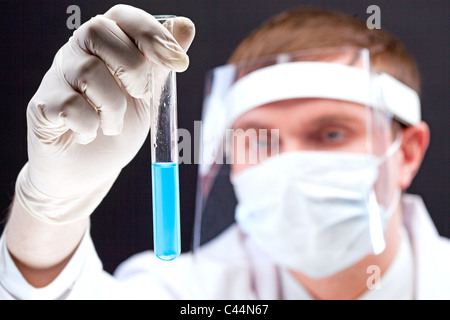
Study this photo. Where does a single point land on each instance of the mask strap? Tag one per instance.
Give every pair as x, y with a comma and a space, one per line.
394, 203
393, 148
376, 226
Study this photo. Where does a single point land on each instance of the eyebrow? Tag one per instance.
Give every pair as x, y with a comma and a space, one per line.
338, 118
253, 125
319, 121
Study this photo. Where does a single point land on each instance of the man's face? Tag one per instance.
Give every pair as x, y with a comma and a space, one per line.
301, 125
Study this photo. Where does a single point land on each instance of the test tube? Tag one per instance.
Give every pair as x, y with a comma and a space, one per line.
164, 144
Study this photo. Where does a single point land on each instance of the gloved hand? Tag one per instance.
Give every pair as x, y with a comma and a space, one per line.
91, 113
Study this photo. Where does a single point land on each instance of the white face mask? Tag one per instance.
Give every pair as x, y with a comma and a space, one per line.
314, 212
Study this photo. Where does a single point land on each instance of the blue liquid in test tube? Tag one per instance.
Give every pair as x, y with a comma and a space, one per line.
164, 139
166, 208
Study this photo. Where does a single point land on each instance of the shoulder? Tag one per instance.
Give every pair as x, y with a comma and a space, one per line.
431, 251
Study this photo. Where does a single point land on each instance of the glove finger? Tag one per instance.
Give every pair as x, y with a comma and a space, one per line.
183, 32
90, 76
150, 36
51, 112
103, 38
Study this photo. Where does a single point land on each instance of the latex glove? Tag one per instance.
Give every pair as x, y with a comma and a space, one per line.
91, 113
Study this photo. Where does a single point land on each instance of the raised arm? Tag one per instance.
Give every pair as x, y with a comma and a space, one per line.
88, 119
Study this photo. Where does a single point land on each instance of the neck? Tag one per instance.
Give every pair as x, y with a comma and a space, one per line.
351, 283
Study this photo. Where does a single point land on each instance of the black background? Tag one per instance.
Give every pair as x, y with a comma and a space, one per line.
32, 32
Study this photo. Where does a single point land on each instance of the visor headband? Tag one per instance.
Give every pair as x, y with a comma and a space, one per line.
324, 80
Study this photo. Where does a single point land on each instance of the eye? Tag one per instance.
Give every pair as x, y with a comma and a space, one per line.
259, 142
330, 136
333, 135
265, 142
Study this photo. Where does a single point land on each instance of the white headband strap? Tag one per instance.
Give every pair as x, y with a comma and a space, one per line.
323, 80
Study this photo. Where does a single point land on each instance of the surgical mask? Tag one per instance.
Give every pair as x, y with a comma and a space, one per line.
314, 212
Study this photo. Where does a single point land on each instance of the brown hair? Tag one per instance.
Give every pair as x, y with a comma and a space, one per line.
312, 28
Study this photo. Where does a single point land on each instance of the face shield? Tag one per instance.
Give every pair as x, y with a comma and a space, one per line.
295, 148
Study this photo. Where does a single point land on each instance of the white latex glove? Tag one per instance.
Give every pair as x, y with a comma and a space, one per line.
90, 116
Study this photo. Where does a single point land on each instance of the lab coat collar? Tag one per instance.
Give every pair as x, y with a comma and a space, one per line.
431, 252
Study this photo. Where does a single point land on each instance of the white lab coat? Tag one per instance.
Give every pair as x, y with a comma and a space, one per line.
229, 267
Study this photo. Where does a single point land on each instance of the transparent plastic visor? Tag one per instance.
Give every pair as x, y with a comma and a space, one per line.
325, 106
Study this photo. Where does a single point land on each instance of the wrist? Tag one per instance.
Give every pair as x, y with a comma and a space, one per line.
59, 210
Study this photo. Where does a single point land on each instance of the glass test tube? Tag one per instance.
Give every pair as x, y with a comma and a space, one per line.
164, 143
